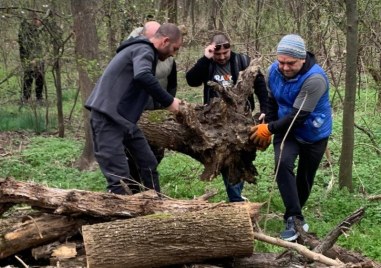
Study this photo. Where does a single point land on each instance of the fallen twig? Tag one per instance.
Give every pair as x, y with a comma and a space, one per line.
299, 248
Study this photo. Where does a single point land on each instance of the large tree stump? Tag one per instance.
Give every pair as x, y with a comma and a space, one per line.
165, 239
216, 134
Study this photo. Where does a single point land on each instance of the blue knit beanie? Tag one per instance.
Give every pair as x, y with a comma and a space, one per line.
292, 45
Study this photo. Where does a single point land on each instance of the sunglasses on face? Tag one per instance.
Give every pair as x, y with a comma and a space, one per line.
219, 46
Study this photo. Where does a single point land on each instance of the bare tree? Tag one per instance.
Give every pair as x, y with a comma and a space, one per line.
170, 7
345, 174
85, 34
110, 9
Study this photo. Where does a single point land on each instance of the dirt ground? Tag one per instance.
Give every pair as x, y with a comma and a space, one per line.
12, 142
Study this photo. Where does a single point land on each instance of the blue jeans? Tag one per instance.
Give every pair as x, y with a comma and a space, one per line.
233, 191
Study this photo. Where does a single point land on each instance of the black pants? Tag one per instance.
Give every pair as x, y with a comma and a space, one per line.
296, 190
110, 140
136, 187
33, 72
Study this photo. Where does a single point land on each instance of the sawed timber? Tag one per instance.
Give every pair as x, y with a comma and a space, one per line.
165, 239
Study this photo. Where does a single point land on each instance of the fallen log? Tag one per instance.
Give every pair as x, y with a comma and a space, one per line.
165, 239
374, 197
103, 205
24, 232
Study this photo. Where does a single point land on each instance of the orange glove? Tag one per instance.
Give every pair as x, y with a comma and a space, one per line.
264, 147
261, 135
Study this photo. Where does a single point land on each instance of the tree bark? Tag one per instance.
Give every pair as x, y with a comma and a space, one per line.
86, 55
17, 234
165, 239
346, 159
104, 205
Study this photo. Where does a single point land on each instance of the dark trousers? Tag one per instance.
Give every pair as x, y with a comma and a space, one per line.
135, 170
296, 190
35, 72
110, 140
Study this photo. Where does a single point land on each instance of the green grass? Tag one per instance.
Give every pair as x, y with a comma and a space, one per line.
26, 118
51, 161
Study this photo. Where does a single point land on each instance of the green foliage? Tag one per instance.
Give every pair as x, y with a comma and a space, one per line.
185, 92
179, 178
26, 118
51, 161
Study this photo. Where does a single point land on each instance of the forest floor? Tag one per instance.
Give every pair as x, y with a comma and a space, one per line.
12, 141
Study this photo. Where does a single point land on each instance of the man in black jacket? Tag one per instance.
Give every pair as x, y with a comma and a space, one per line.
118, 100
222, 65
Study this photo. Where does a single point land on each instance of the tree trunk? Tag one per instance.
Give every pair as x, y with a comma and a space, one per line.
170, 7
111, 12
56, 40
164, 239
103, 205
86, 48
345, 174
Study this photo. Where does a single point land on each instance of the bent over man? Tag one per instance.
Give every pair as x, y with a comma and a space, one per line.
118, 101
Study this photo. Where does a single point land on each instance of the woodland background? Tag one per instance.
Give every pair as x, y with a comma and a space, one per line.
50, 144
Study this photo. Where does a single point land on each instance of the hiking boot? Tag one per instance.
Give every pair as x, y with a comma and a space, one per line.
290, 233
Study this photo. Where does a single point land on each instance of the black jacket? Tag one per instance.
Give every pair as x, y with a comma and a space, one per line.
127, 82
203, 70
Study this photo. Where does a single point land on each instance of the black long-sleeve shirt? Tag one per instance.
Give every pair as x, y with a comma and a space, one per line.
203, 71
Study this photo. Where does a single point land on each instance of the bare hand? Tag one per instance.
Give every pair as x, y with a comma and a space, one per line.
175, 106
209, 50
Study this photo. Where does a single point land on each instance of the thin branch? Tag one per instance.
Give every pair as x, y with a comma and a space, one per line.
298, 247
10, 74
371, 137
35, 223
332, 237
374, 197
21, 261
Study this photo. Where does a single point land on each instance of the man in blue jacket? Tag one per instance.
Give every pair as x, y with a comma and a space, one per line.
118, 100
222, 65
299, 101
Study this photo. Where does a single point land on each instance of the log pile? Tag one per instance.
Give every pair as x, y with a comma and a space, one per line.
73, 228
